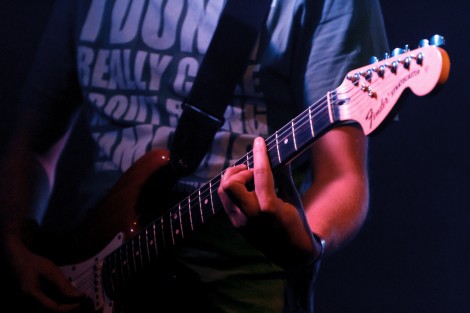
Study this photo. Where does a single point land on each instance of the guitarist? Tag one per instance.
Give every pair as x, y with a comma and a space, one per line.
108, 87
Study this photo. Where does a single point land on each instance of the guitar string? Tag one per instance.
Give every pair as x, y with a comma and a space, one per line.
84, 279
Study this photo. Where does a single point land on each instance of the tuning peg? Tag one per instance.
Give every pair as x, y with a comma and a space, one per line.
397, 51
419, 58
437, 40
407, 62
381, 71
373, 59
423, 43
394, 67
354, 78
368, 74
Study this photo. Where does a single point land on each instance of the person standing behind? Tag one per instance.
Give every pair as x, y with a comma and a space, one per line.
108, 88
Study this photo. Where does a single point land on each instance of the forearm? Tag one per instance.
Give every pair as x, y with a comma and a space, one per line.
337, 202
338, 210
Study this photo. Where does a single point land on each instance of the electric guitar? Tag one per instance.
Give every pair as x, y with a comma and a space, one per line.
129, 245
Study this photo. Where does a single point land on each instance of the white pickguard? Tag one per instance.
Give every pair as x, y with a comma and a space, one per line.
87, 276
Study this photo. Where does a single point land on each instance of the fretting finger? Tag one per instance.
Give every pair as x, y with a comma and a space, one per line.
263, 177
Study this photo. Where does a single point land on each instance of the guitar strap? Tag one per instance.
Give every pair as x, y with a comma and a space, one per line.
222, 67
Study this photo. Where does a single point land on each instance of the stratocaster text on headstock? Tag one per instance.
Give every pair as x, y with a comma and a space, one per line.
368, 94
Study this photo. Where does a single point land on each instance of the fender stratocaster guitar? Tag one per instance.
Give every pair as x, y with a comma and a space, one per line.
127, 246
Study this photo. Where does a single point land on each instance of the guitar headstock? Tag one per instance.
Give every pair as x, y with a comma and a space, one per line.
368, 94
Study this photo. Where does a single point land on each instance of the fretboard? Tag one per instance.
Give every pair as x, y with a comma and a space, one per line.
146, 247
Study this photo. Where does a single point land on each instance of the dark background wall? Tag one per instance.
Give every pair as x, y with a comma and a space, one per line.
413, 253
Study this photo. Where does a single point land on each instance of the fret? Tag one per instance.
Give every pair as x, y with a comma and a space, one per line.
181, 231
190, 213
148, 242
155, 242
285, 144
152, 243
293, 135
304, 130
212, 200
161, 233
139, 252
322, 120
175, 224
206, 205
195, 209
310, 119
200, 206
330, 107
277, 150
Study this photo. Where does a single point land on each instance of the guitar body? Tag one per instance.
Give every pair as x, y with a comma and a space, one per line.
124, 210
139, 196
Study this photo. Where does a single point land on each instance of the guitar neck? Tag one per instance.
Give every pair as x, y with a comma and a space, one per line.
146, 247
295, 137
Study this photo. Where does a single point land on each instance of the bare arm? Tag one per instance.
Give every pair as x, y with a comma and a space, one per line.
337, 202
